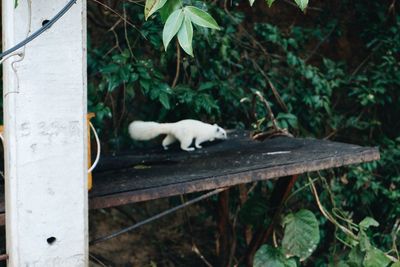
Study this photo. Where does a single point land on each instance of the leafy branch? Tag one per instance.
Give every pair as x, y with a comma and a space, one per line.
179, 20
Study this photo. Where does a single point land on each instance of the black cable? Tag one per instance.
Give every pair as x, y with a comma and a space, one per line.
40, 31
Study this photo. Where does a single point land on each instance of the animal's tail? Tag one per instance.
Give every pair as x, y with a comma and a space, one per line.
146, 130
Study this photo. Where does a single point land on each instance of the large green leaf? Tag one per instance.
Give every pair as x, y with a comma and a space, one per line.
367, 222
267, 256
152, 6
396, 264
200, 17
301, 234
375, 258
172, 26
185, 36
168, 8
270, 2
302, 4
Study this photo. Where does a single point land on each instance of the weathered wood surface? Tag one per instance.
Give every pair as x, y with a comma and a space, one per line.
154, 173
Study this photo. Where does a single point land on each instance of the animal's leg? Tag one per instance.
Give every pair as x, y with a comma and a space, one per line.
198, 142
186, 142
169, 139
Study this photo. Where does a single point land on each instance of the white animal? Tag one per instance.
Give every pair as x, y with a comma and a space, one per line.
184, 131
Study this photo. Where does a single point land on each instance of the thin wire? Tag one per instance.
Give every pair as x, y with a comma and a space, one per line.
97, 142
155, 217
40, 31
98, 148
20, 54
10, 55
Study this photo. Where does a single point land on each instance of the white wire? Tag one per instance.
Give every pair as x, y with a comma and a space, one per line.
10, 55
97, 142
98, 148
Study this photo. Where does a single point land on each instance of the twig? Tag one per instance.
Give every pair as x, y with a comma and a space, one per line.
276, 131
274, 238
365, 60
126, 34
139, 3
274, 91
251, 189
116, 46
260, 46
178, 64
396, 229
392, 8
197, 251
234, 223
298, 190
320, 43
97, 260
120, 16
326, 214
270, 113
158, 216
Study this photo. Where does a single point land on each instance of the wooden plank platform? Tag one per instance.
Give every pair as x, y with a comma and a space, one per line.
155, 173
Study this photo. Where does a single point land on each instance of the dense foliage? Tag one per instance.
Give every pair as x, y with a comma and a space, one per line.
332, 73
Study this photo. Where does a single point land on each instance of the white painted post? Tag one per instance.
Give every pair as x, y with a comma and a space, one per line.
45, 136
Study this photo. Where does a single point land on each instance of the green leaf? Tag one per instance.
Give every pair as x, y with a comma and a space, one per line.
375, 258
270, 2
164, 99
254, 211
152, 6
145, 85
267, 256
134, 77
111, 68
200, 17
15, 3
364, 243
168, 8
185, 36
367, 222
112, 83
302, 4
172, 26
396, 264
207, 86
301, 234
356, 257
251, 2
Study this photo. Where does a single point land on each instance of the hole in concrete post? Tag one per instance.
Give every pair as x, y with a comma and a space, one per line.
51, 240
44, 22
